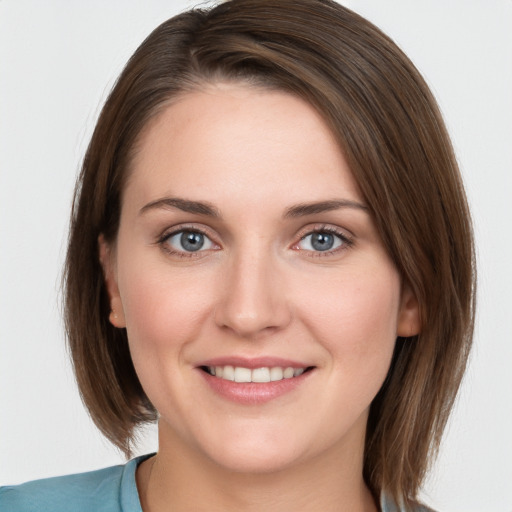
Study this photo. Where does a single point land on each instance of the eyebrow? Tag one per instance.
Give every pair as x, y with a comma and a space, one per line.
304, 209
207, 209
185, 205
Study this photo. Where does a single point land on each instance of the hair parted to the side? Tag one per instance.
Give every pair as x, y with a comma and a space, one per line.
393, 137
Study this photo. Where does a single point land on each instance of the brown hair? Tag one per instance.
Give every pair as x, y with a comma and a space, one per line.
392, 134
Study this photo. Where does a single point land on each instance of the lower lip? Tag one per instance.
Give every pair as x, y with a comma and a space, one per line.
253, 393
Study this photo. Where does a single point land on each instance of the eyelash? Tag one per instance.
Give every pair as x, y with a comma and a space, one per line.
162, 241
346, 241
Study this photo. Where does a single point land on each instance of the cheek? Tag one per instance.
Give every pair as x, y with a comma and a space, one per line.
163, 307
355, 317
164, 313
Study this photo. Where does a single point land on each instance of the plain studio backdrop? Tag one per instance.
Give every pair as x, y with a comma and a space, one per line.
59, 59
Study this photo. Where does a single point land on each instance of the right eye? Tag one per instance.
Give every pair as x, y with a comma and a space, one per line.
187, 241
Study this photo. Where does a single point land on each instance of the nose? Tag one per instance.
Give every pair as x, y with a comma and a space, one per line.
253, 302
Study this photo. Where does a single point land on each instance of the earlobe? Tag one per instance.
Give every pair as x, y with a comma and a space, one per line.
409, 322
116, 316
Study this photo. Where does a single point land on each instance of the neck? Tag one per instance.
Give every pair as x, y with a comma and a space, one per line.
179, 479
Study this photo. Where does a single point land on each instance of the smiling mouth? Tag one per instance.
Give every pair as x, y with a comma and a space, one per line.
259, 375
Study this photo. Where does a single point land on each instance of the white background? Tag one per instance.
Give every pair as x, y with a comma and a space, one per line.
58, 59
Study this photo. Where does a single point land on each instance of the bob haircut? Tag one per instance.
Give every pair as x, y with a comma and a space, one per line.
392, 135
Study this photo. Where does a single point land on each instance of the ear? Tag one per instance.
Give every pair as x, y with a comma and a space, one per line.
116, 317
409, 323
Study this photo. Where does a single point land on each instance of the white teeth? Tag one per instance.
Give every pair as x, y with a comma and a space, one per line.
276, 374
264, 374
288, 373
242, 374
261, 375
228, 373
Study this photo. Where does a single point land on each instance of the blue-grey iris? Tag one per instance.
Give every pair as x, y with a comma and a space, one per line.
322, 241
191, 241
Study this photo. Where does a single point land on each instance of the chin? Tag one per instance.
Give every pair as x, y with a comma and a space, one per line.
258, 454
256, 462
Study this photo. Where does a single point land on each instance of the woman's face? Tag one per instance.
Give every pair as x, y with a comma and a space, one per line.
245, 249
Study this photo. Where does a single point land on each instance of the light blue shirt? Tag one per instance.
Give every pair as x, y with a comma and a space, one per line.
107, 490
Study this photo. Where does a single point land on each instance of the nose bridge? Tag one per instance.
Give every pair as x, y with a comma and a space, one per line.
253, 300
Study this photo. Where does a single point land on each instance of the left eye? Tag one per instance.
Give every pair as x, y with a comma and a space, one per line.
320, 241
189, 241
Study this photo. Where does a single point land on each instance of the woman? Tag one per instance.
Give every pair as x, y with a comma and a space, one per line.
271, 253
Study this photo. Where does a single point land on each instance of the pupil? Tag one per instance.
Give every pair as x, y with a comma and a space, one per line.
322, 241
192, 241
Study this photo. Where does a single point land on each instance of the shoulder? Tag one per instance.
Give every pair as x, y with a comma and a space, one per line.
388, 505
106, 490
95, 490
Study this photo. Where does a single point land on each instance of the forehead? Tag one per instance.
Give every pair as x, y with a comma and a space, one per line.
236, 139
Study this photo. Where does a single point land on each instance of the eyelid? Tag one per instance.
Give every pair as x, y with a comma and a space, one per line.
193, 228
346, 239
344, 235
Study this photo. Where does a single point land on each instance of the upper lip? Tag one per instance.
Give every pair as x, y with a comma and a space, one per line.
252, 363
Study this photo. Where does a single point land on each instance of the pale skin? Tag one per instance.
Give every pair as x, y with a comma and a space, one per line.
260, 180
